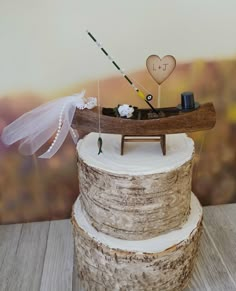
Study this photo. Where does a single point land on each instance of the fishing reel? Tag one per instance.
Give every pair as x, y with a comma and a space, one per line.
149, 97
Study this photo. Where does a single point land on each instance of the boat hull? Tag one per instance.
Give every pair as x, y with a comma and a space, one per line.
203, 118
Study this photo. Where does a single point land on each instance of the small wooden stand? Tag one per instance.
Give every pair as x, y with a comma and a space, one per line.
144, 138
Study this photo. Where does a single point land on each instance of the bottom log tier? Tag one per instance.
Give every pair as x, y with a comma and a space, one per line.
161, 263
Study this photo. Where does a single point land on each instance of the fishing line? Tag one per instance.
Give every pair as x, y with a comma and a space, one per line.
99, 109
148, 98
99, 142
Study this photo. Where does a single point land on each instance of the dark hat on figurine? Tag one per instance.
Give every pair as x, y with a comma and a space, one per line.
187, 102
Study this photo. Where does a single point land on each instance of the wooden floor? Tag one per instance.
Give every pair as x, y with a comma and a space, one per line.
39, 256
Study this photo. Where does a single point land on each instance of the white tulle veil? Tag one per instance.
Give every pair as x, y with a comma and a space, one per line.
36, 127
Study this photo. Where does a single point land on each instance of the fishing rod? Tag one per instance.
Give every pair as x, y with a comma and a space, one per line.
148, 98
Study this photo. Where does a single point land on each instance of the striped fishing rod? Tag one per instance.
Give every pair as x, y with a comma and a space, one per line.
148, 98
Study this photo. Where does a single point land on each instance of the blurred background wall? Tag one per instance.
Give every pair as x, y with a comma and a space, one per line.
46, 54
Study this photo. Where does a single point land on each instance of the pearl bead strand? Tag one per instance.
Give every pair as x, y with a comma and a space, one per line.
58, 129
73, 133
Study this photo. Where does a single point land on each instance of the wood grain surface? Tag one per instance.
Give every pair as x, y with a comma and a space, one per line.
26, 250
160, 69
86, 121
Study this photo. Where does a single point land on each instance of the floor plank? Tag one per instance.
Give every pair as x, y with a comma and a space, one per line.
209, 271
221, 228
22, 267
40, 256
58, 264
9, 238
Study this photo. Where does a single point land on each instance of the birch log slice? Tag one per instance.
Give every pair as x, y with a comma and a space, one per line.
139, 195
162, 263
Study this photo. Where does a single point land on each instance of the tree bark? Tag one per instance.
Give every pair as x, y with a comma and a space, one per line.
101, 267
135, 207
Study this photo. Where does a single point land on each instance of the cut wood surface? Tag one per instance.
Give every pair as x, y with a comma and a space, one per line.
86, 121
214, 269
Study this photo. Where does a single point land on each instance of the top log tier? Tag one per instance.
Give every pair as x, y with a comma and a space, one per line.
139, 195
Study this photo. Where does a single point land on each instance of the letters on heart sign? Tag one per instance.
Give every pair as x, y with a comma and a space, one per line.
160, 69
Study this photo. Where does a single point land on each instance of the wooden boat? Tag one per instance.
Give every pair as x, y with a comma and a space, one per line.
168, 121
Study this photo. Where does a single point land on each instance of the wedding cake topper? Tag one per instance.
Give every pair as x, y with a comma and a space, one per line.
54, 119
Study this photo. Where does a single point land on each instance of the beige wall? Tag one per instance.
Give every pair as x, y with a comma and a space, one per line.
44, 47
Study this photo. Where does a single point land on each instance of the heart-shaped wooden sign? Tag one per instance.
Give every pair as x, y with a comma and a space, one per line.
160, 69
